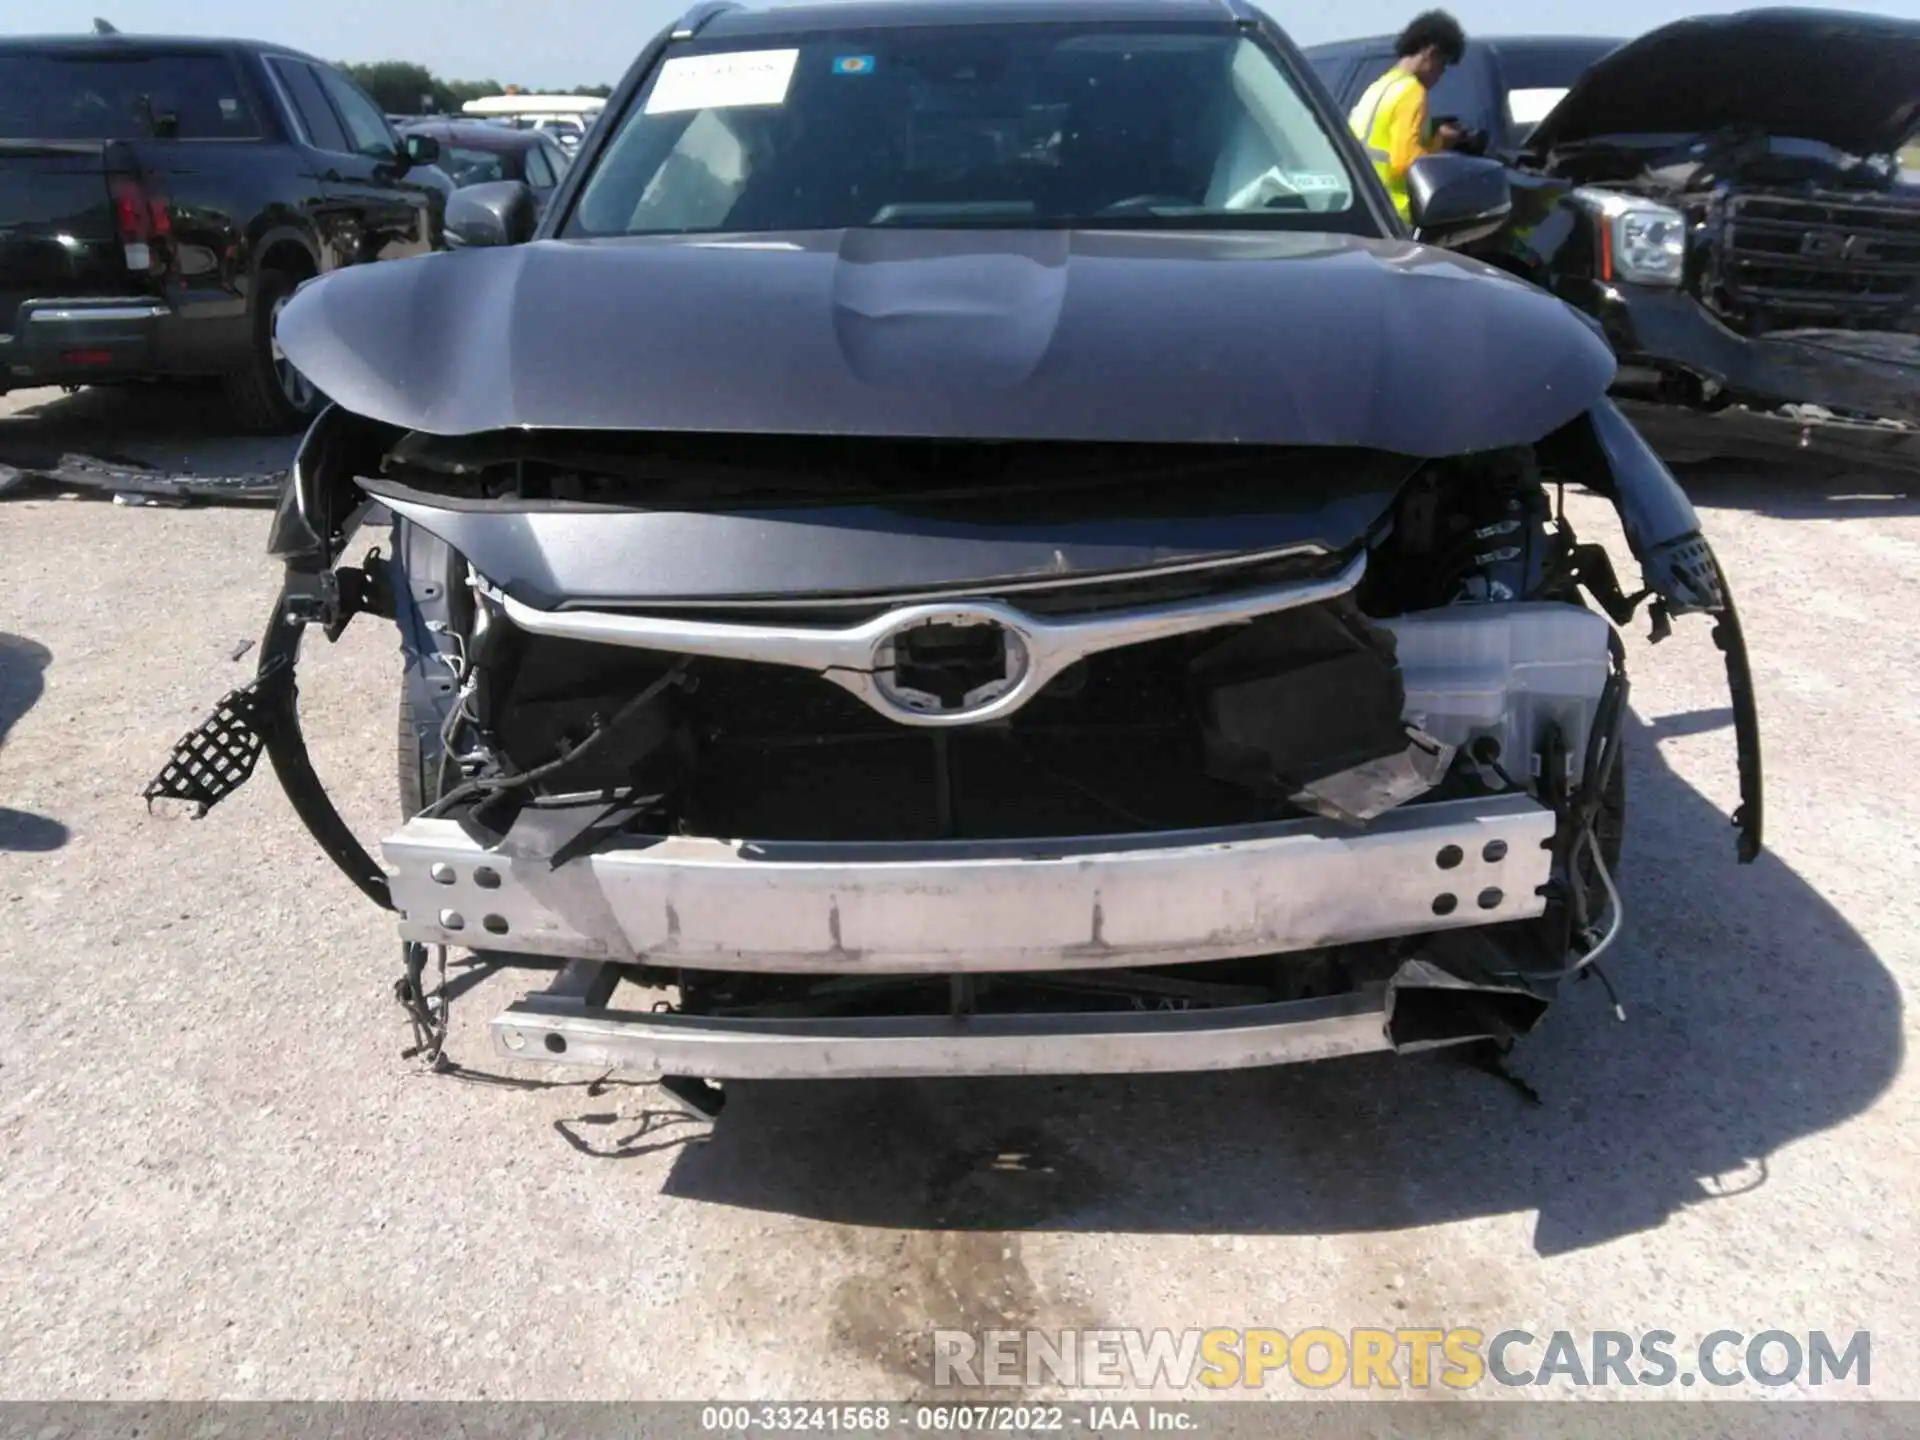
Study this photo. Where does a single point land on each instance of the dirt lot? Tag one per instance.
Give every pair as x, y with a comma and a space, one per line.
221, 1179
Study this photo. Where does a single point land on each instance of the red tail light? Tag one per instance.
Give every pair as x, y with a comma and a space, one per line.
140, 218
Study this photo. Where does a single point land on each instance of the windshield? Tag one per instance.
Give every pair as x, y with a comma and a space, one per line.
1031, 125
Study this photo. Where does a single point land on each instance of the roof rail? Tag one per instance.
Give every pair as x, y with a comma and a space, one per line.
691, 23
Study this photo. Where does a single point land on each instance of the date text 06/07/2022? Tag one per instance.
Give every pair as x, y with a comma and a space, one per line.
1100, 1417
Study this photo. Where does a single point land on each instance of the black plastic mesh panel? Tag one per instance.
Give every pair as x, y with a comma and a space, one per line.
214, 759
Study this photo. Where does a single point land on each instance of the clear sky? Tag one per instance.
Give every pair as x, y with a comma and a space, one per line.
551, 43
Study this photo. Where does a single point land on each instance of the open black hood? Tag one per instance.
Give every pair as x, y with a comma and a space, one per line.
1849, 81
1179, 337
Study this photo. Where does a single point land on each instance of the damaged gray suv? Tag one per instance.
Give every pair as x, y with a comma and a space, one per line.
971, 541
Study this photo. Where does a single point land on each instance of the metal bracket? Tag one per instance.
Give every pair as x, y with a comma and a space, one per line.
1593, 569
367, 590
583, 985
333, 597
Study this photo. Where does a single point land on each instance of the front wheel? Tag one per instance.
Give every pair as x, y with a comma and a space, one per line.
1610, 834
417, 749
433, 609
267, 393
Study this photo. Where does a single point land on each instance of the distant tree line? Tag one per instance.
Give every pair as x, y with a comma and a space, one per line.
400, 87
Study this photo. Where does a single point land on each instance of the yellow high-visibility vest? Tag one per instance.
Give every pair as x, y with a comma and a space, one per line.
1370, 122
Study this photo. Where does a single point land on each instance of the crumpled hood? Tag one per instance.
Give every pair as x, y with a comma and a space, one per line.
1273, 338
1849, 81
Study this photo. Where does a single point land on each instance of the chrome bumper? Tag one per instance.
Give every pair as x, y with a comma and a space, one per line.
945, 908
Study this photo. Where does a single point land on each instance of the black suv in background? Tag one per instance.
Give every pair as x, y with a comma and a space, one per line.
161, 199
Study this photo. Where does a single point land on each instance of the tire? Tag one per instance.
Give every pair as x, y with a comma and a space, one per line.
419, 779
266, 394
1610, 825
1610, 830
419, 558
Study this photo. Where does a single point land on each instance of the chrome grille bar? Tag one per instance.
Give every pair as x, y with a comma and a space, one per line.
860, 658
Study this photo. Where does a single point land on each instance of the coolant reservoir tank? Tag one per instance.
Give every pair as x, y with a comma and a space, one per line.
1506, 671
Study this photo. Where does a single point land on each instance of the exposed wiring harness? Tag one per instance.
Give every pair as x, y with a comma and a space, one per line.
427, 1010
490, 786
1589, 963
1616, 913
449, 732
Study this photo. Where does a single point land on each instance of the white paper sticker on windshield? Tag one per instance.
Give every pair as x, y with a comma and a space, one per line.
705, 82
1313, 182
1530, 107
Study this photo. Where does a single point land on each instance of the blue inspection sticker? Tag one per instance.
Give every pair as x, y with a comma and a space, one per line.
853, 65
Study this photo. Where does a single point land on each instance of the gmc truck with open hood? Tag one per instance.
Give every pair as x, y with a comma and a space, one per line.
1725, 196
970, 540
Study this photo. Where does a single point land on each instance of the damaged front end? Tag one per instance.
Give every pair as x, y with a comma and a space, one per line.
858, 757
1747, 233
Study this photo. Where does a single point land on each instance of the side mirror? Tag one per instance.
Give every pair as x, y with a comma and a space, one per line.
1456, 198
420, 149
501, 212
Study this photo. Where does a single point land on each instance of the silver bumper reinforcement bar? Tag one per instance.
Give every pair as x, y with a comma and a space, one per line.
1421, 1008
979, 906
1108, 1043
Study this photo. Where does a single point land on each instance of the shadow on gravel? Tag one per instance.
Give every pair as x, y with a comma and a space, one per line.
22, 665
1756, 1016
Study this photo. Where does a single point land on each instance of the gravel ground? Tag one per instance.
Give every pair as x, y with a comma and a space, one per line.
221, 1179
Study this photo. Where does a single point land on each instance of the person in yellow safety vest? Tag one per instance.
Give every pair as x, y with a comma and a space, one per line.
1391, 118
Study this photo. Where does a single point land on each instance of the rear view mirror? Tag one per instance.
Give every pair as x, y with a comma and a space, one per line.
501, 212
421, 149
1456, 198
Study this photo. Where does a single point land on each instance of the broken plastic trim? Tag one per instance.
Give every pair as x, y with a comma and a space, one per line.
1429, 1006
1683, 576
319, 504
286, 747
218, 756
116, 476
1731, 641
319, 509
